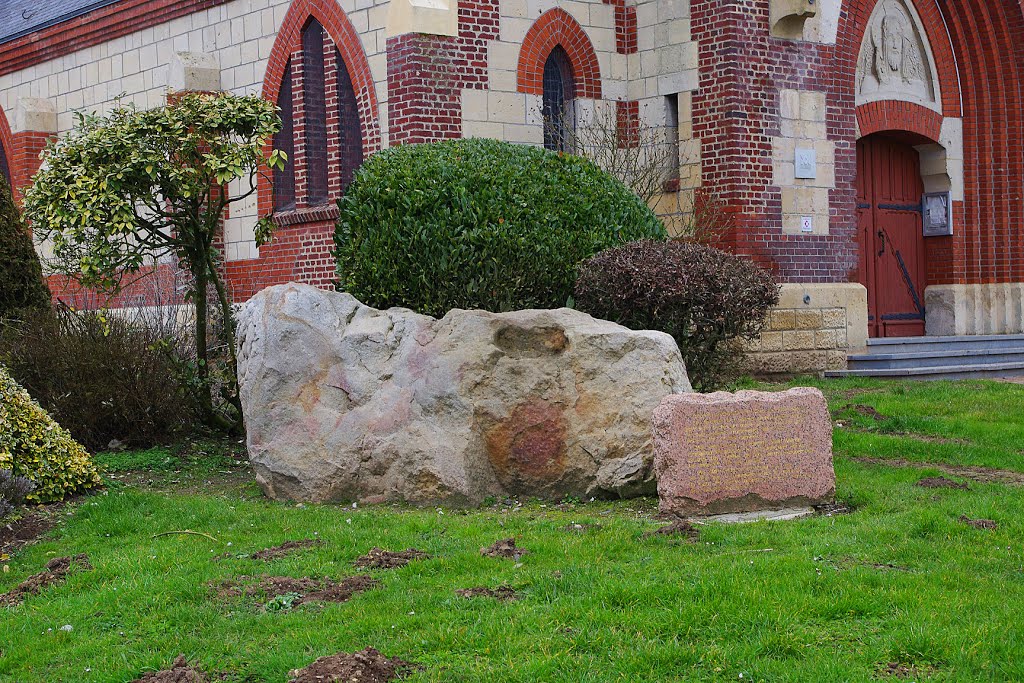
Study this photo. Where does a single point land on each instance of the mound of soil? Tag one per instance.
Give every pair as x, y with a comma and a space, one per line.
576, 528
180, 672
378, 558
368, 666
56, 572
499, 593
988, 524
286, 548
308, 589
679, 527
23, 531
506, 547
942, 483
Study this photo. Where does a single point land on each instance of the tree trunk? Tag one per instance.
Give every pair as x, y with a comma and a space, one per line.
210, 415
231, 393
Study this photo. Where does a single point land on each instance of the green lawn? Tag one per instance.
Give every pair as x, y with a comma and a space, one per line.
900, 584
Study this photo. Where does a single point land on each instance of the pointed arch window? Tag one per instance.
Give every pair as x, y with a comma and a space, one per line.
314, 112
321, 131
349, 130
559, 92
284, 178
5, 169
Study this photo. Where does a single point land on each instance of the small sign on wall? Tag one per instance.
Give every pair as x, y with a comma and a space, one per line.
806, 224
937, 214
806, 164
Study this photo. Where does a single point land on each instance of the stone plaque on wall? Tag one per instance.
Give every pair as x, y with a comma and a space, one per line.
742, 452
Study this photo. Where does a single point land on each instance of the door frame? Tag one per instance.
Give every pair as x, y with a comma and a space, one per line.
874, 242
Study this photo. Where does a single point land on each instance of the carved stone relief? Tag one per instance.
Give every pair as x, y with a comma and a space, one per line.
895, 61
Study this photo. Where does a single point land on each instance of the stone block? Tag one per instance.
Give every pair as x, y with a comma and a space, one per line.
807, 319
798, 340
722, 452
850, 297
836, 360
825, 339
783, 319
833, 318
771, 341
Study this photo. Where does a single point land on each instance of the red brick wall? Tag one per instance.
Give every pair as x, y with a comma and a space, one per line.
988, 39
25, 160
736, 114
299, 253
426, 75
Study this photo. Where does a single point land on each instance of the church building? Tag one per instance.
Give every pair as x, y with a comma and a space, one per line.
869, 152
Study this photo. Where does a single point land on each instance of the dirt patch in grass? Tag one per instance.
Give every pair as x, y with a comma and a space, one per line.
368, 666
506, 548
301, 590
679, 527
23, 531
942, 483
984, 475
286, 548
56, 572
580, 528
499, 593
928, 438
847, 562
904, 671
833, 509
987, 524
863, 411
850, 394
378, 558
180, 672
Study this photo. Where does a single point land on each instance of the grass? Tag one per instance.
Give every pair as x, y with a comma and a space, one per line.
898, 585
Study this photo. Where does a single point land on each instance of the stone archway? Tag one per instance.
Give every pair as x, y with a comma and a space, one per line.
910, 142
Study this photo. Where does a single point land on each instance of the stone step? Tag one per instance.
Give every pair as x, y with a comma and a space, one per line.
935, 372
944, 357
957, 343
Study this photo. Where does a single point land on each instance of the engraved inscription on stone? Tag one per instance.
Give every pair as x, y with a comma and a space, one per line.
894, 60
742, 452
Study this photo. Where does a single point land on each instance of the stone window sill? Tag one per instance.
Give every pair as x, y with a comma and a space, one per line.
310, 214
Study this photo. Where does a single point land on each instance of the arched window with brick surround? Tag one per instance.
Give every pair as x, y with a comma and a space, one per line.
320, 78
350, 138
557, 101
284, 178
5, 149
5, 168
557, 61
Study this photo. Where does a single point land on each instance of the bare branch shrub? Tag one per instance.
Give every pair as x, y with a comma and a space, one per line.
643, 156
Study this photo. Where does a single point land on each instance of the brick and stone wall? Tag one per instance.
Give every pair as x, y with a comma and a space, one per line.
813, 329
739, 88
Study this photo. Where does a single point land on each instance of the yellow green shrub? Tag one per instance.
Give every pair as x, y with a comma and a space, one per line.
33, 445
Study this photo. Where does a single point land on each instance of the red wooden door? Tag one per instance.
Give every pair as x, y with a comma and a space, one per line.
892, 265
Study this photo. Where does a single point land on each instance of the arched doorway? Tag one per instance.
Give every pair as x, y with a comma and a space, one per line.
892, 254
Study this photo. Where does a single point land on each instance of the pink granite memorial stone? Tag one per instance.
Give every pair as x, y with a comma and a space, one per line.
743, 452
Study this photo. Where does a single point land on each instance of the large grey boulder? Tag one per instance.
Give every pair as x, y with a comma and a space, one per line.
346, 402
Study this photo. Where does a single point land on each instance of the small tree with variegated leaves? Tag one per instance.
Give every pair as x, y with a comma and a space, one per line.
120, 192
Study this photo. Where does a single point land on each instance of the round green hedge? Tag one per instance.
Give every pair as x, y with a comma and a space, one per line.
479, 224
